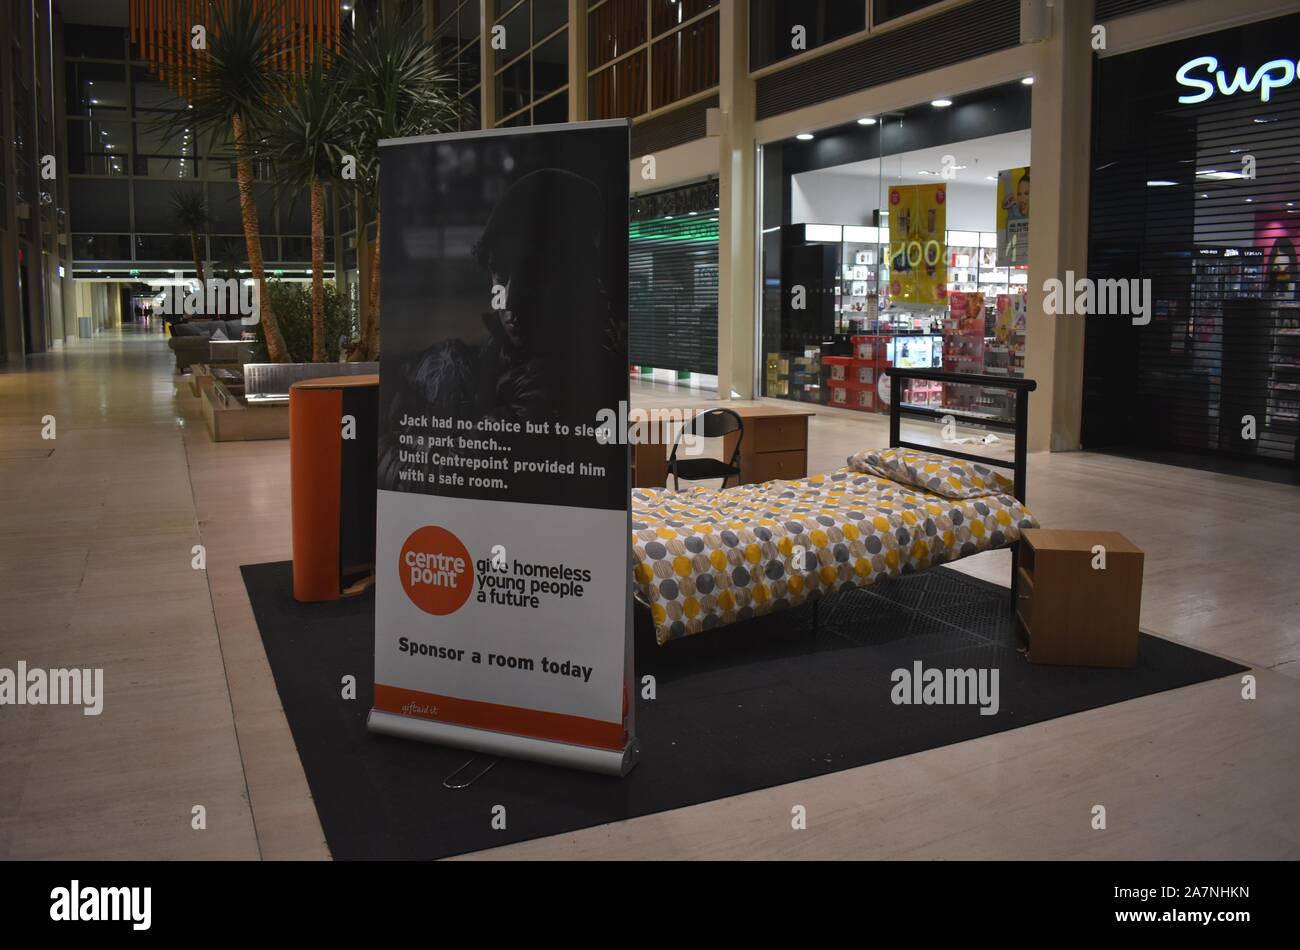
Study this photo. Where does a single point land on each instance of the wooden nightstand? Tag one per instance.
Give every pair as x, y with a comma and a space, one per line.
1072, 613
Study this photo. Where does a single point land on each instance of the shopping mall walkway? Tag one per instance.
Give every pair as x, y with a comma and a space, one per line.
97, 535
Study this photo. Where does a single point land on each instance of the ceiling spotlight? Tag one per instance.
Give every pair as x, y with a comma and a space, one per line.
1027, 81
941, 103
867, 120
804, 136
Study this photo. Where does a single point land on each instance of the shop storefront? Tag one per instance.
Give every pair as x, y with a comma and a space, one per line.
1196, 189
673, 285
898, 240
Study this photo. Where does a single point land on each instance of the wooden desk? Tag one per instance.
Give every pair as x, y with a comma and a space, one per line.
775, 445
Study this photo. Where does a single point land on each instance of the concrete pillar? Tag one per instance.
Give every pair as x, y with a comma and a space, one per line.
737, 225
1058, 237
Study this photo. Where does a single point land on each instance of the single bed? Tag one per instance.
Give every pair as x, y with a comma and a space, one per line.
704, 558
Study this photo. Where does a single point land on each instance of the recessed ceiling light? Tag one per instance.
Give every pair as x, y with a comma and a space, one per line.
804, 136
1250, 201
990, 177
1027, 81
867, 120
941, 103
1160, 183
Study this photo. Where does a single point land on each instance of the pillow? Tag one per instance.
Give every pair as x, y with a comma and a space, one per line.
219, 334
185, 329
949, 477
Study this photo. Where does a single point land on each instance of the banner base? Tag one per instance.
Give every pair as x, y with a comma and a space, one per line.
589, 759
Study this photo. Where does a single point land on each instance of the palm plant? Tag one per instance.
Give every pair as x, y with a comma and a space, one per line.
238, 79
190, 214
306, 141
397, 85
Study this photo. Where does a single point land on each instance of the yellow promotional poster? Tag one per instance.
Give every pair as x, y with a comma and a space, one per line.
1013, 217
918, 224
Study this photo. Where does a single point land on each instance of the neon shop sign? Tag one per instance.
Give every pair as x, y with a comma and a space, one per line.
1275, 74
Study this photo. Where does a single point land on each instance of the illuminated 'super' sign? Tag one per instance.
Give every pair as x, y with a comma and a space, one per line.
1274, 74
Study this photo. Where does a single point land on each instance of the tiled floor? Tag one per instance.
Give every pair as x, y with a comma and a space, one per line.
97, 531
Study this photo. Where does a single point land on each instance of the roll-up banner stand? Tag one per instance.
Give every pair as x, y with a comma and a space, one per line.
503, 611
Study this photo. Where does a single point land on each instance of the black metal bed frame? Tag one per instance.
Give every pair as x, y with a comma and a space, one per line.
1019, 425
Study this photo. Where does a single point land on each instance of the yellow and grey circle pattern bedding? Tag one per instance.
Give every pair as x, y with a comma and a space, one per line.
703, 558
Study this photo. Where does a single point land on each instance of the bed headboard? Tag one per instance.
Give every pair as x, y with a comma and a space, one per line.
1020, 388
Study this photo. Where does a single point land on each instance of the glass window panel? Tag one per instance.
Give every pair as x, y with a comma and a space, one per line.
165, 247
613, 29
548, 16
686, 62
101, 247
516, 36
552, 110
771, 23
512, 86
885, 10
619, 90
666, 14
551, 65
151, 139
447, 9
151, 95
98, 148
99, 206
97, 42
96, 89
467, 23
469, 66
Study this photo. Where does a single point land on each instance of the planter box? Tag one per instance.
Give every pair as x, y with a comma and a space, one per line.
230, 420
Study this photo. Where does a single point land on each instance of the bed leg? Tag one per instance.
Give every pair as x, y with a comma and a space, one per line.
1015, 576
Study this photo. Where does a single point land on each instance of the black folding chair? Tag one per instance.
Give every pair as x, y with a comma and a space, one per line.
713, 424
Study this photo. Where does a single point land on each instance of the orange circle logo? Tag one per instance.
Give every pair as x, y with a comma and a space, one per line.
436, 570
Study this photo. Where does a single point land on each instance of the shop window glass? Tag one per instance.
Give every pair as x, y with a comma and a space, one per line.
889, 230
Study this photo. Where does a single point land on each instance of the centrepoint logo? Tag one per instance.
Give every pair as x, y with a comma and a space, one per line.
436, 570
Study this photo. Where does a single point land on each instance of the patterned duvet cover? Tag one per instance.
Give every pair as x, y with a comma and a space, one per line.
703, 558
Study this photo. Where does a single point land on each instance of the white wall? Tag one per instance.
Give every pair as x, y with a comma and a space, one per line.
823, 197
